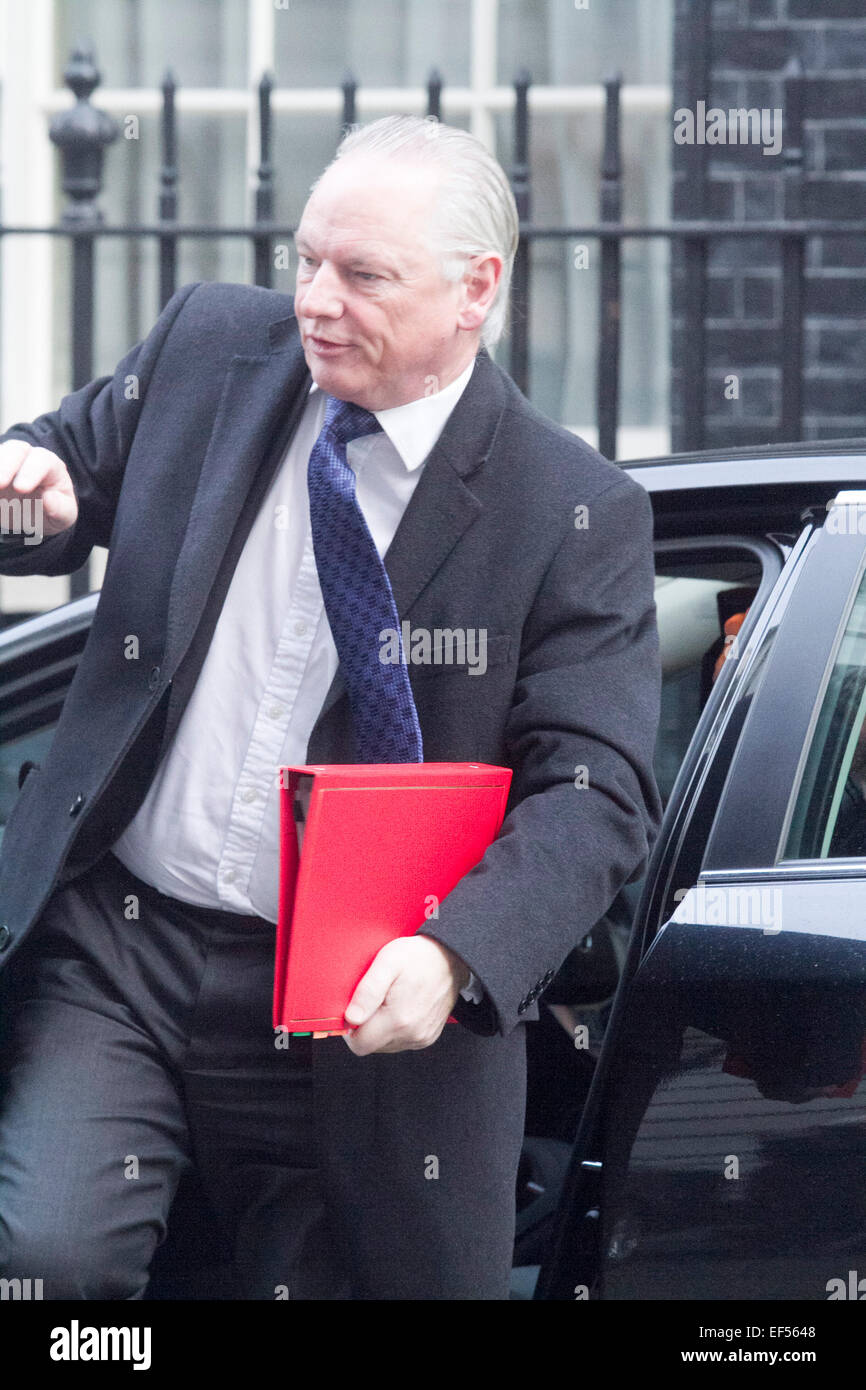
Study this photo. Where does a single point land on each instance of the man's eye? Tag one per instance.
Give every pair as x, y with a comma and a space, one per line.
366, 275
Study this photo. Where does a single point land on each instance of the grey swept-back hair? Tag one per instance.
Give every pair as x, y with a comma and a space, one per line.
475, 210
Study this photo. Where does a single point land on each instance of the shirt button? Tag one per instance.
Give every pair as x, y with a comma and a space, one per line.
153, 678
250, 794
229, 876
300, 627
275, 711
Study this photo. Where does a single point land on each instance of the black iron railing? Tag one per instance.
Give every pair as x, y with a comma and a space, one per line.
82, 133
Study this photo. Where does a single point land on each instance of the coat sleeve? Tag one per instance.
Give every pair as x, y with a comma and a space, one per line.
584, 809
91, 431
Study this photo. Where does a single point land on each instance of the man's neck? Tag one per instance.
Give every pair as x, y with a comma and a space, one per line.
434, 382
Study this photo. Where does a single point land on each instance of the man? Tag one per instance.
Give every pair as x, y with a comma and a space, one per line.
138, 880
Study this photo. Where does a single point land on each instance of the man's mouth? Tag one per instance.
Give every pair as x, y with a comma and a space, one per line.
326, 345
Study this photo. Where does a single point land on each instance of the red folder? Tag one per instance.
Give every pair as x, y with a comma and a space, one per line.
381, 844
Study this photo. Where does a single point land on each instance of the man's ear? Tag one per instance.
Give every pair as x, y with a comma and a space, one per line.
478, 288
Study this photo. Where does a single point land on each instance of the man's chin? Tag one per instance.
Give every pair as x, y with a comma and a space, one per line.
344, 385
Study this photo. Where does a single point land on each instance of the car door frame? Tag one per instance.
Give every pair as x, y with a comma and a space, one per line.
795, 634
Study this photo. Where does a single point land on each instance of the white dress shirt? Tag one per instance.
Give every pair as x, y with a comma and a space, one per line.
207, 831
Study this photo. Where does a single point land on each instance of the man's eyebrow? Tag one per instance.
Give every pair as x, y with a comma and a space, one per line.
358, 259
374, 259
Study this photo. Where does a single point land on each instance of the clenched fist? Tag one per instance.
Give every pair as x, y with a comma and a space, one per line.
37, 474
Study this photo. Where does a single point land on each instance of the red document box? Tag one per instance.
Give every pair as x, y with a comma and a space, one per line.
381, 844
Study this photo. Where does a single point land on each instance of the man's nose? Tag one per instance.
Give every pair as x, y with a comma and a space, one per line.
321, 296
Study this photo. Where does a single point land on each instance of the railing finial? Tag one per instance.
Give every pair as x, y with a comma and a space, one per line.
81, 135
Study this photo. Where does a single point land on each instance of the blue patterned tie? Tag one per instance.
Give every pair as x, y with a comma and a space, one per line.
357, 594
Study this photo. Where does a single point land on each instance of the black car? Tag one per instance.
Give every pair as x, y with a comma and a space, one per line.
721, 1150
704, 1043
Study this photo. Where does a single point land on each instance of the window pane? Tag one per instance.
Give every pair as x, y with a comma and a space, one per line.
829, 820
562, 45
303, 146
394, 43
565, 155
204, 41
696, 595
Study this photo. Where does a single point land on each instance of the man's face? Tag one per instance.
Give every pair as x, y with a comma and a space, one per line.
380, 325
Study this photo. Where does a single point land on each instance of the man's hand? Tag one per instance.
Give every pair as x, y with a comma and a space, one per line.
28, 472
404, 1000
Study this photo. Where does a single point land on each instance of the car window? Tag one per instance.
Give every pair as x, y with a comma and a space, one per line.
699, 596
828, 818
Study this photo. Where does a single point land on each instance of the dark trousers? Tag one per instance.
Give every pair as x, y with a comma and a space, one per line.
136, 1041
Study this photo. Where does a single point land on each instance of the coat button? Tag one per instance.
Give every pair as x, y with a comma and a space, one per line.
153, 678
77, 804
5, 937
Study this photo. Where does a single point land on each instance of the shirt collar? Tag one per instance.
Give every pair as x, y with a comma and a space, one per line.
414, 428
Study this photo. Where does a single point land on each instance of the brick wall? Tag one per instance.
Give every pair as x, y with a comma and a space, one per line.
750, 44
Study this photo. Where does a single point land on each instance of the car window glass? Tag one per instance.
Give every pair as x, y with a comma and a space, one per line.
828, 820
699, 603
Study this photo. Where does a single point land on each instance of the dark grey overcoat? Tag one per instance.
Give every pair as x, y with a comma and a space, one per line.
517, 527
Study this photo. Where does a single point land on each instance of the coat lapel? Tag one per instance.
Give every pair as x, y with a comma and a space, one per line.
261, 400
442, 506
